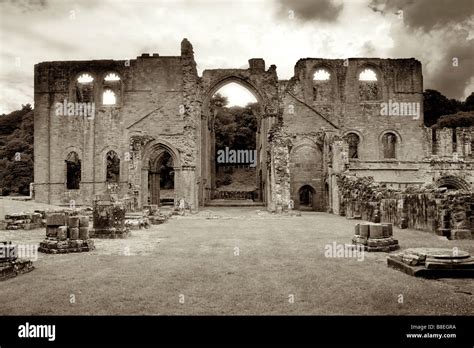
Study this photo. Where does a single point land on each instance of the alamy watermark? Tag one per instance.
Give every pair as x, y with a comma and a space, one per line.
335, 250
393, 108
75, 109
22, 251
37, 331
237, 156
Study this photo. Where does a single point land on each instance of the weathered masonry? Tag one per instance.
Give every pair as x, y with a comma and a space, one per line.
117, 126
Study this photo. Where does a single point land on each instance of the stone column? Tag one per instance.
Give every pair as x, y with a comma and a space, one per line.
144, 184
188, 186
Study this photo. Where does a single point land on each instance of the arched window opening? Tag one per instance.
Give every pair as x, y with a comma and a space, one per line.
111, 87
321, 75
368, 75
353, 141
109, 97
112, 77
368, 85
389, 144
113, 167
73, 171
85, 78
322, 86
85, 88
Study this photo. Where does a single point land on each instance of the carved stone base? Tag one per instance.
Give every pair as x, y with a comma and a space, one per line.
55, 246
375, 237
12, 268
460, 234
433, 263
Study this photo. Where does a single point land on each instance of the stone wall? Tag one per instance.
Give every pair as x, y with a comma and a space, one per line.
156, 99
302, 138
425, 208
312, 110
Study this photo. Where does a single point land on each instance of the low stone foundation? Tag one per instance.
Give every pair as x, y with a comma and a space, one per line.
110, 233
158, 219
10, 269
54, 246
375, 237
22, 221
66, 234
433, 263
10, 265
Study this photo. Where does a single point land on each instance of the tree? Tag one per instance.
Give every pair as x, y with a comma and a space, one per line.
16, 136
468, 103
436, 105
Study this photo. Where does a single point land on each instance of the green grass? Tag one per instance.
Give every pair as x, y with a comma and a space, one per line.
194, 256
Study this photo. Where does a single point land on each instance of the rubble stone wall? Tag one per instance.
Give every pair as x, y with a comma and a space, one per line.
424, 208
303, 124
153, 101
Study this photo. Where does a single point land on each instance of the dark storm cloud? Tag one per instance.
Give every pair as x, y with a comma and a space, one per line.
27, 5
449, 21
452, 80
427, 14
311, 10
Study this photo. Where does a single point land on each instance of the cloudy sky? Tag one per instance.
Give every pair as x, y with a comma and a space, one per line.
226, 33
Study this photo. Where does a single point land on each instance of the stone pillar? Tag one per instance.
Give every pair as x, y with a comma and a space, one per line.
109, 219
334, 194
280, 180
144, 187
188, 186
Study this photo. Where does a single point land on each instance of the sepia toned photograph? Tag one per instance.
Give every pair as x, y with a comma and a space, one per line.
306, 158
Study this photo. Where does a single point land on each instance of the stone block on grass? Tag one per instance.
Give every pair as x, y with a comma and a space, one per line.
83, 233
62, 233
364, 230
376, 231
52, 231
56, 219
73, 221
73, 233
83, 221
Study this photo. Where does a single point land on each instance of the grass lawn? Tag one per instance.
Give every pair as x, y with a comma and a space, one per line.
194, 258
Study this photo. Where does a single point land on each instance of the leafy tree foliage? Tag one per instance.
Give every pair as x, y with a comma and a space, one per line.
16, 151
459, 119
436, 105
235, 127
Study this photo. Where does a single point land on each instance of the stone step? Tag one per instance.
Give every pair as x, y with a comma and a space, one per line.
234, 203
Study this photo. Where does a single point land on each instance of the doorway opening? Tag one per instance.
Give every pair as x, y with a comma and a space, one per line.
306, 196
161, 180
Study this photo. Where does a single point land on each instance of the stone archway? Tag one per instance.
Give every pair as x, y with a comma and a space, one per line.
263, 84
306, 170
453, 182
155, 155
208, 139
158, 172
306, 198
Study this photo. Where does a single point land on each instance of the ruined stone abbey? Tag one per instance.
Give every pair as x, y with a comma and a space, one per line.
107, 126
